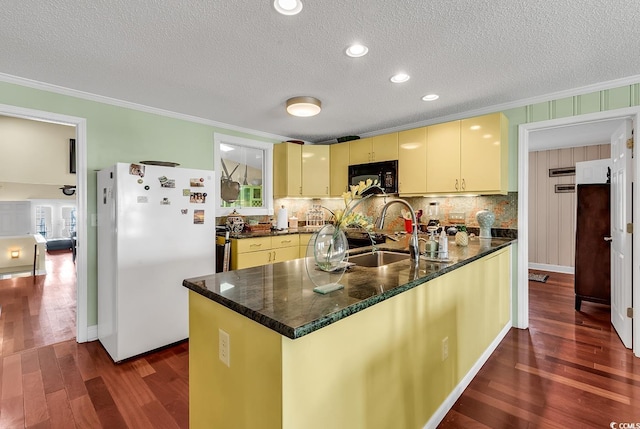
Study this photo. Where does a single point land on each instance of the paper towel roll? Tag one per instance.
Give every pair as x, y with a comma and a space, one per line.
283, 218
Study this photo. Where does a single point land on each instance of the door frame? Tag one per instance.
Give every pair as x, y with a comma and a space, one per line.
80, 124
524, 131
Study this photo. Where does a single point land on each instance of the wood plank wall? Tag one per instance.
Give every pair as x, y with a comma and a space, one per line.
552, 216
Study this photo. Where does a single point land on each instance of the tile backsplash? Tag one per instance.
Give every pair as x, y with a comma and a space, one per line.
505, 208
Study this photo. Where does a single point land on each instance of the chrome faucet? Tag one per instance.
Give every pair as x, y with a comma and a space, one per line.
414, 249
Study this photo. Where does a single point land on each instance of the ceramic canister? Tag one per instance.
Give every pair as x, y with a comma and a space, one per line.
485, 220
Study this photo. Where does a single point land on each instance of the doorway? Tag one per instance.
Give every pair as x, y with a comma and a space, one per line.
82, 331
524, 138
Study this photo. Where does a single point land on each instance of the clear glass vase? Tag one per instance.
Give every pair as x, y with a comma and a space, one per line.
330, 248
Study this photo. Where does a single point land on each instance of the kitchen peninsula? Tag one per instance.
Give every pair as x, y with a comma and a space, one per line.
391, 349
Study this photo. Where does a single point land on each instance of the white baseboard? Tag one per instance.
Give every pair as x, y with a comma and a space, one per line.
448, 403
92, 333
552, 268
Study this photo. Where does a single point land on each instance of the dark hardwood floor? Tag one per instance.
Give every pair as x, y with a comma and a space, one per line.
40, 310
568, 370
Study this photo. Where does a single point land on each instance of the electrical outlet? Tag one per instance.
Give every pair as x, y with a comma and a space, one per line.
224, 348
445, 348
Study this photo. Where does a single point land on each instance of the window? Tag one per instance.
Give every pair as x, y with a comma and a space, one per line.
43, 220
68, 221
243, 175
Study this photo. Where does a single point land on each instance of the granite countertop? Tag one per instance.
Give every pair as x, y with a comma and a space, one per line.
272, 232
280, 296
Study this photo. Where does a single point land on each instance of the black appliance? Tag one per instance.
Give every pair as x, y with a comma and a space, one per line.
386, 173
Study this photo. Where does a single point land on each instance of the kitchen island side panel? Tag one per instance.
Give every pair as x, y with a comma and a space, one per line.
381, 367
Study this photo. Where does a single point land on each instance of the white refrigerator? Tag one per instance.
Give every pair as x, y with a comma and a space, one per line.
156, 227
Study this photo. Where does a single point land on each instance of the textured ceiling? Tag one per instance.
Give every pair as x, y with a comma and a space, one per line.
238, 62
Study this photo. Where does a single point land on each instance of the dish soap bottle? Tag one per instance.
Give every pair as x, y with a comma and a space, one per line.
443, 246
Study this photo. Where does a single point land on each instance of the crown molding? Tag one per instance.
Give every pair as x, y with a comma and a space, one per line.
601, 86
134, 106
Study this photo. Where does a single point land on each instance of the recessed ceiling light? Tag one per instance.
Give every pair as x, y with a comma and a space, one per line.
474, 127
357, 50
303, 106
288, 7
399, 78
430, 97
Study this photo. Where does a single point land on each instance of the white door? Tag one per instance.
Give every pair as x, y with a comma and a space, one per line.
620, 239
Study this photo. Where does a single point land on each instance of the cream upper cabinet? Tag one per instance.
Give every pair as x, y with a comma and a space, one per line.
287, 170
300, 170
468, 156
339, 179
374, 149
315, 170
360, 151
443, 157
385, 147
484, 154
412, 161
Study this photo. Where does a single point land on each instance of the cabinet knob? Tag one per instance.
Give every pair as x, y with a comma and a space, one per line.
608, 239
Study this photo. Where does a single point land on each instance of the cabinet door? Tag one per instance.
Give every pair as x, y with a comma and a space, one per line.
315, 170
482, 161
339, 162
443, 157
412, 161
384, 147
287, 170
304, 242
251, 259
285, 254
360, 151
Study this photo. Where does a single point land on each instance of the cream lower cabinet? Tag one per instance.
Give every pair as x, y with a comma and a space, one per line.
374, 149
304, 242
468, 156
253, 252
412, 161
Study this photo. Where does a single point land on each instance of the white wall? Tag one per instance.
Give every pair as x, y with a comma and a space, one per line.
34, 154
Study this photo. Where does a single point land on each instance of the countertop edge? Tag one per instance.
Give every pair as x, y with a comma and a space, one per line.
300, 331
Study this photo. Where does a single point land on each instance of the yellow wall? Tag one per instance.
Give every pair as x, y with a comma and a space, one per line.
247, 394
379, 368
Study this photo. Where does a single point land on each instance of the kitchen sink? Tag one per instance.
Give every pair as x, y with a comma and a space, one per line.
378, 259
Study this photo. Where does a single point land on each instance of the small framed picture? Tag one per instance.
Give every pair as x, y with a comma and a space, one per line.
72, 156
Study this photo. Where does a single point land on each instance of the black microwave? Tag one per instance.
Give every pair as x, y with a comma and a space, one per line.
386, 173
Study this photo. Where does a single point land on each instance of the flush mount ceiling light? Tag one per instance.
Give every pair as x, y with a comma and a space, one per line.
288, 7
430, 97
303, 106
357, 50
399, 78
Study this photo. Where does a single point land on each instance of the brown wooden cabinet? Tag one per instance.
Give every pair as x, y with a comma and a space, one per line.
593, 252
